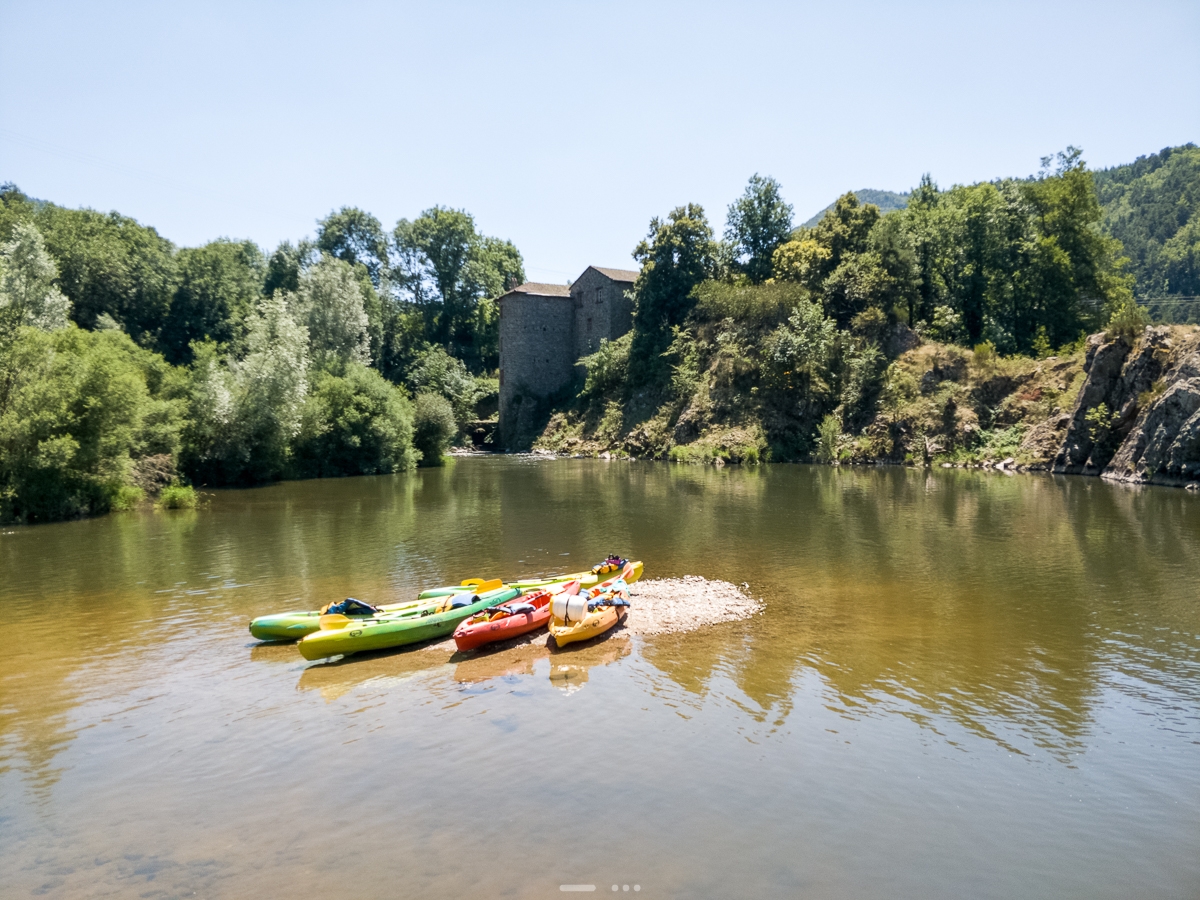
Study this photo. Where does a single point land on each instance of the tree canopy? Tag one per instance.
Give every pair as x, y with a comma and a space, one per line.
757, 224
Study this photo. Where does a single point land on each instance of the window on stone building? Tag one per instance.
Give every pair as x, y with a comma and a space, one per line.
589, 325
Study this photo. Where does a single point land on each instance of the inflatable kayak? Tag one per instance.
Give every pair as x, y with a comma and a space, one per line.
508, 620
409, 626
583, 615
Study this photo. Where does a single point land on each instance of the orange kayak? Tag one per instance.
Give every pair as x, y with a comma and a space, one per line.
508, 620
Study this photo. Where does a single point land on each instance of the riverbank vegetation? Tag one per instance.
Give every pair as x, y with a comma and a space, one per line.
131, 369
948, 326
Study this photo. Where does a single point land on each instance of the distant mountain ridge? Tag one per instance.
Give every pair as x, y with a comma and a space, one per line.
885, 200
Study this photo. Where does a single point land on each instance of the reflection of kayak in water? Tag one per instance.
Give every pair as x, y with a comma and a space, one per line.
519, 661
587, 614
334, 679
569, 671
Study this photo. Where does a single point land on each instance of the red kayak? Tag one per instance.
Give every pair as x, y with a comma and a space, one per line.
508, 620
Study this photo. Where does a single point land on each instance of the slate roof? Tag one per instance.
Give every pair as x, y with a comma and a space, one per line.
541, 290
618, 274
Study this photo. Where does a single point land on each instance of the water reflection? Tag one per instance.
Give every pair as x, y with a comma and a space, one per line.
568, 668
1003, 604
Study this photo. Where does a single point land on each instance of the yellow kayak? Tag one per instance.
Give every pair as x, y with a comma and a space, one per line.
583, 615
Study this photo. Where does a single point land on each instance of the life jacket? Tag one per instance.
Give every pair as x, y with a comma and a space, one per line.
613, 563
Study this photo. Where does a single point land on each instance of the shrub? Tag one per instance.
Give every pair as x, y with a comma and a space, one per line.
78, 409
357, 423
437, 372
1128, 320
761, 304
434, 428
607, 367
178, 496
985, 354
829, 438
127, 497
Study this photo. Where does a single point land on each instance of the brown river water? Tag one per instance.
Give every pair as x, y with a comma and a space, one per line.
963, 685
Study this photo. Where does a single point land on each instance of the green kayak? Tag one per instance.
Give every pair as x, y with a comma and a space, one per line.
408, 626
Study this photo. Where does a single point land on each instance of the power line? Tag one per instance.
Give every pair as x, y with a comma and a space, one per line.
1157, 301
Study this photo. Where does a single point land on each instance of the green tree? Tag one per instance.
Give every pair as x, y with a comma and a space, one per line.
356, 237
436, 371
243, 414
758, 223
434, 428
219, 284
445, 268
28, 295
77, 410
1152, 206
677, 255
329, 304
355, 423
111, 265
796, 355
287, 264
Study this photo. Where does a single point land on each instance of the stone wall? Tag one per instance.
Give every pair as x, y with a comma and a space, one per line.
536, 352
544, 330
602, 311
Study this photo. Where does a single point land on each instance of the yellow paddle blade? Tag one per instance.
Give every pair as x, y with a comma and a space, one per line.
333, 621
484, 586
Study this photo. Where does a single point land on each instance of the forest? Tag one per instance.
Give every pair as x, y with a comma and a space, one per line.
132, 369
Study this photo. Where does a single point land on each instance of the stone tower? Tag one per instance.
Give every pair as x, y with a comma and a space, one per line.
545, 329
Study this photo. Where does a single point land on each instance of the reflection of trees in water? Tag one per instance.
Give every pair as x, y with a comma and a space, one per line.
998, 602
978, 597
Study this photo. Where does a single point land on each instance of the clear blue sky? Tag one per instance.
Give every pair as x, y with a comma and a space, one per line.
565, 126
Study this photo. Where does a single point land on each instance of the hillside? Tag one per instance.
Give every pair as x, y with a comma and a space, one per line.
1152, 206
885, 200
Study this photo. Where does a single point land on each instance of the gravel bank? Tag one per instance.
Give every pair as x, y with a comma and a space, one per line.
674, 605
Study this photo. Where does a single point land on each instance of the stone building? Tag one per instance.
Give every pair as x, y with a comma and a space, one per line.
545, 329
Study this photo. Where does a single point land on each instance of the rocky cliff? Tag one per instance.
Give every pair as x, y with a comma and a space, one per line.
1125, 409
1137, 415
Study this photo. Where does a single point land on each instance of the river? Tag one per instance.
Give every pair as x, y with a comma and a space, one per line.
964, 684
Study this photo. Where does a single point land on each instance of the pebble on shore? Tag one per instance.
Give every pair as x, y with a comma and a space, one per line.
674, 605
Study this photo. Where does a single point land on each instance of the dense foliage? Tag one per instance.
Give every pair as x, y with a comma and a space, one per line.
130, 367
780, 342
1152, 206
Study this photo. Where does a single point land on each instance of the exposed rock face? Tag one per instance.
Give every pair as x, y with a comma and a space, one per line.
1137, 417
